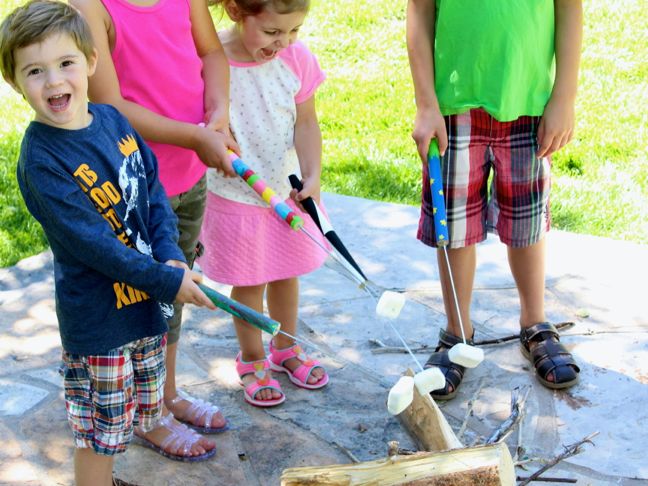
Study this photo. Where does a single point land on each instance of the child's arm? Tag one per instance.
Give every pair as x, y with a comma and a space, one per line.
163, 231
215, 67
72, 223
308, 144
429, 122
557, 124
209, 145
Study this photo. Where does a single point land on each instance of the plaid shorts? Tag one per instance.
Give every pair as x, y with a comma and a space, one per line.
107, 395
515, 205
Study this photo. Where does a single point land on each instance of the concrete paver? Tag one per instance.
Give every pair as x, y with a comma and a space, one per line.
595, 282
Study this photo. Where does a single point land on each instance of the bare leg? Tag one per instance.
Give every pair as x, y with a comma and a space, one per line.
283, 301
463, 262
92, 469
250, 337
180, 408
528, 269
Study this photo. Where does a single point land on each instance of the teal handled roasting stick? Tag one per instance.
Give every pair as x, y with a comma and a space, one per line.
463, 354
249, 315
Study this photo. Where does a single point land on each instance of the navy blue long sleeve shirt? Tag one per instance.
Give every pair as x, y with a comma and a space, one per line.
96, 193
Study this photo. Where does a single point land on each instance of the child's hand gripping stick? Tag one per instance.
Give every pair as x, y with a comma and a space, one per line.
241, 311
462, 353
324, 225
266, 193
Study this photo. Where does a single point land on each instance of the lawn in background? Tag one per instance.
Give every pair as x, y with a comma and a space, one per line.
366, 109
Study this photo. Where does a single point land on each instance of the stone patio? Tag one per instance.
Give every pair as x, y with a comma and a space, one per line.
597, 283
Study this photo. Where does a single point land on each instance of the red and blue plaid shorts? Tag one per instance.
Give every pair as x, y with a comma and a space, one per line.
107, 395
515, 205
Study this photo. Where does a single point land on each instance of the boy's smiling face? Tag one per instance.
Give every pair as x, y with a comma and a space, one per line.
53, 78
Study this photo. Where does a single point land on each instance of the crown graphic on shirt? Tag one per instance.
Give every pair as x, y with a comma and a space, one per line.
128, 145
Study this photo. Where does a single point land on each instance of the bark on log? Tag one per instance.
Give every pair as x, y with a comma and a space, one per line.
489, 465
426, 424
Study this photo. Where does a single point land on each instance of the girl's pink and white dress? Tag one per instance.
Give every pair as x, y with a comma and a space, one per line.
246, 243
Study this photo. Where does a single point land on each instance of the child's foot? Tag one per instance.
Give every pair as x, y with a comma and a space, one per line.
259, 388
196, 413
555, 367
177, 441
453, 372
301, 370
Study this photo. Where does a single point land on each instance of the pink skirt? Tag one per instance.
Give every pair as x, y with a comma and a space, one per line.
250, 245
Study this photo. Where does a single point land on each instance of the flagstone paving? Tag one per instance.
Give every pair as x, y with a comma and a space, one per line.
597, 283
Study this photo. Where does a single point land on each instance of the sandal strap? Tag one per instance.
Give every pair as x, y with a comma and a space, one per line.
452, 372
258, 368
552, 356
197, 409
279, 356
448, 340
549, 355
253, 388
538, 332
306, 367
179, 435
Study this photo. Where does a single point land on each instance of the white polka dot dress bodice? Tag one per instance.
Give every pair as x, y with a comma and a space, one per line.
263, 111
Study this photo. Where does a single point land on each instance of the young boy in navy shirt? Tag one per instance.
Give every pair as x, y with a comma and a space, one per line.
91, 182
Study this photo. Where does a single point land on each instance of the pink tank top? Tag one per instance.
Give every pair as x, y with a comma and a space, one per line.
159, 68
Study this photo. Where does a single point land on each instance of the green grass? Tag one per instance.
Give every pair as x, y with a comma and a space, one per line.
366, 109
600, 180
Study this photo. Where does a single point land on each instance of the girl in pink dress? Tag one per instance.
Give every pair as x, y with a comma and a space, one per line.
273, 79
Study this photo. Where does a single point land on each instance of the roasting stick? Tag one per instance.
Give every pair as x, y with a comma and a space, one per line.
462, 354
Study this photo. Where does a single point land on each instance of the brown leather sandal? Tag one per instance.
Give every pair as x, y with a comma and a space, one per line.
453, 372
549, 355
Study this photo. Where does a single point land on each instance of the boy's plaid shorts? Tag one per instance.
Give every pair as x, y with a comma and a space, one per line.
107, 395
515, 205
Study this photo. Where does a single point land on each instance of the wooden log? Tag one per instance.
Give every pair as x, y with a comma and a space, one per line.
426, 424
488, 465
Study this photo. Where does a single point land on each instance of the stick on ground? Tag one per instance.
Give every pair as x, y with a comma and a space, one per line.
570, 450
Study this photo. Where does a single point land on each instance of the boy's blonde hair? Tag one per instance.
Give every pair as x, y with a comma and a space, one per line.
34, 22
249, 8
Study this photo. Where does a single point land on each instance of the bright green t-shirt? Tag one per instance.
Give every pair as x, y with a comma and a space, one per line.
494, 54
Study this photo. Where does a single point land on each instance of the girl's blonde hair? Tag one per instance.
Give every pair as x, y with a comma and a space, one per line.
34, 22
248, 8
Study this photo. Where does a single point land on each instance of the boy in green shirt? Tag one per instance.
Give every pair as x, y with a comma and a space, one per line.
495, 84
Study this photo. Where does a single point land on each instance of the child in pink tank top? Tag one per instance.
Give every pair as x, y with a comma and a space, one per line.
162, 65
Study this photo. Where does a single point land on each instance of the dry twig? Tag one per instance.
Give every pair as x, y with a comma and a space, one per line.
518, 399
382, 348
550, 480
513, 337
349, 454
570, 450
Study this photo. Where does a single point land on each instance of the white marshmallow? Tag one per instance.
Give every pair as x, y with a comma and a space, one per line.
465, 355
401, 395
390, 304
429, 380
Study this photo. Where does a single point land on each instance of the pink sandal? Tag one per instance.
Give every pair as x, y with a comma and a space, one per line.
263, 381
300, 375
